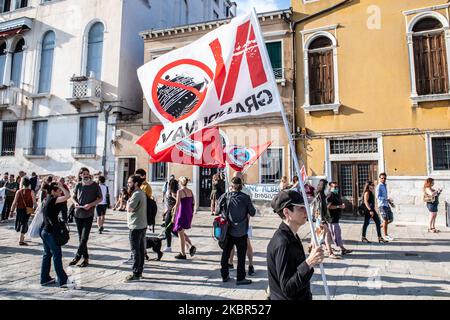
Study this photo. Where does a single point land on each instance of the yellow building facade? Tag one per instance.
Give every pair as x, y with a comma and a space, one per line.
372, 95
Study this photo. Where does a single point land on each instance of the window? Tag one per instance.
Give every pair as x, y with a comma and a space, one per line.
9, 138
353, 146
159, 172
45, 72
95, 50
88, 136
2, 61
276, 58
16, 69
39, 138
430, 58
5, 5
321, 71
271, 165
441, 153
21, 4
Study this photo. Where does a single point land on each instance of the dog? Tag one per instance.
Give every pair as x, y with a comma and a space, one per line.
154, 243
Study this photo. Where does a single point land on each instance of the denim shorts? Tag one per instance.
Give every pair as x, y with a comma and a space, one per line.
387, 214
432, 206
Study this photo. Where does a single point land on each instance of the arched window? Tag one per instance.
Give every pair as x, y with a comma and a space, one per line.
45, 71
321, 71
2, 61
16, 69
430, 57
95, 50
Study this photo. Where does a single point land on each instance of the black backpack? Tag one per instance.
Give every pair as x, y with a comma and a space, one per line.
152, 210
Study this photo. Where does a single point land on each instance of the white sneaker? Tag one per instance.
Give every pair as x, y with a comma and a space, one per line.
167, 249
388, 238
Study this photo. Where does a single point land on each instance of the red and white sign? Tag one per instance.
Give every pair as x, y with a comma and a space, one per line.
225, 74
203, 149
241, 158
303, 174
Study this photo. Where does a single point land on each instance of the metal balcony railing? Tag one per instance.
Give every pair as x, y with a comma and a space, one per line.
85, 89
279, 73
35, 152
84, 151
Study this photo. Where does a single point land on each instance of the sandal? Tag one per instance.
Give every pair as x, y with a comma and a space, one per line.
333, 256
382, 240
364, 240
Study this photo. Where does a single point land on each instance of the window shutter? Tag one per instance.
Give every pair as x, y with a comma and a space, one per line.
321, 77
431, 64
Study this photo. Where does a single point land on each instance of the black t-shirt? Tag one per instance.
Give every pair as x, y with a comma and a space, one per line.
334, 200
50, 212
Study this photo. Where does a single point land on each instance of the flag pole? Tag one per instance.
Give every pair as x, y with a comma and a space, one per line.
296, 160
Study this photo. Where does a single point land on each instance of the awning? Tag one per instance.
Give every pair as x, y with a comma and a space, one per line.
14, 27
13, 32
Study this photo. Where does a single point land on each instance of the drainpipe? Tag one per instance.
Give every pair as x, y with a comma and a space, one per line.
106, 110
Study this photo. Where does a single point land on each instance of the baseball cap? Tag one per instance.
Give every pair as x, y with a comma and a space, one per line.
286, 198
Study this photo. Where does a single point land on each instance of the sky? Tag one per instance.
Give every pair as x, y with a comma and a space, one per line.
261, 5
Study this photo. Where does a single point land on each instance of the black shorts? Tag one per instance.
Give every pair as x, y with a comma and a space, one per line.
101, 210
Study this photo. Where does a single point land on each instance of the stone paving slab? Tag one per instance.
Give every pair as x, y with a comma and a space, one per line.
414, 266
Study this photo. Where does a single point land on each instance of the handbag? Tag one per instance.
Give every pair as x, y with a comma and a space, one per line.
221, 224
60, 231
29, 210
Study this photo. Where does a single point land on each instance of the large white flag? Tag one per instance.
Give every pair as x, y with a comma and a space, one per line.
225, 74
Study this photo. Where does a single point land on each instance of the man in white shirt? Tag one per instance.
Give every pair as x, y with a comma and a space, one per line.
102, 206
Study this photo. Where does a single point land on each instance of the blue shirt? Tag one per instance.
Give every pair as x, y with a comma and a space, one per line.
382, 195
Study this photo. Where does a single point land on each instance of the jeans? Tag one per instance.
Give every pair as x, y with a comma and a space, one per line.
7, 207
336, 233
169, 232
51, 249
376, 219
241, 246
84, 229
137, 243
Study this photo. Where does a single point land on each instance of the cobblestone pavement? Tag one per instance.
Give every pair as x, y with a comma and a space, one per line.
414, 266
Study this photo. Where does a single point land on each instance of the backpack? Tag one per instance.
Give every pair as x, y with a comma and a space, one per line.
152, 210
220, 224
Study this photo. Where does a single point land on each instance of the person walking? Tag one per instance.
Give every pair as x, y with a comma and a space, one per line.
184, 213
251, 268
236, 207
335, 206
11, 188
57, 195
384, 203
171, 200
431, 198
323, 217
289, 270
103, 206
3, 196
165, 192
25, 203
137, 224
86, 196
370, 213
